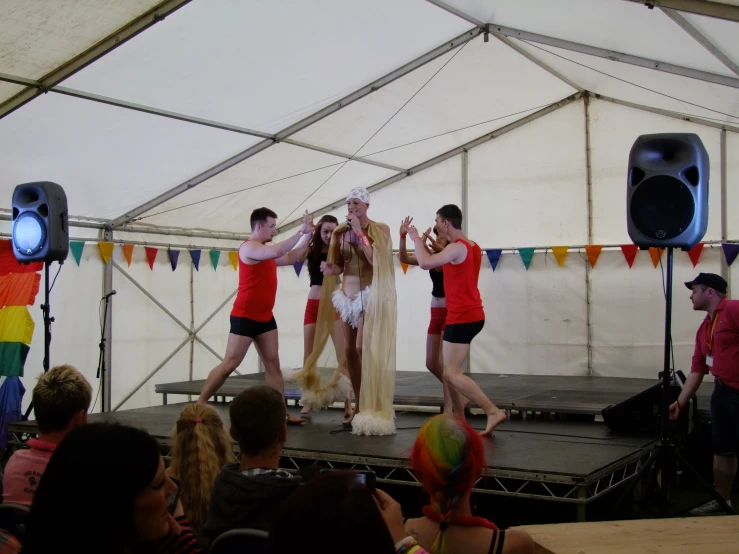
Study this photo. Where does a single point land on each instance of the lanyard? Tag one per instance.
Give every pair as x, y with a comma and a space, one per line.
709, 341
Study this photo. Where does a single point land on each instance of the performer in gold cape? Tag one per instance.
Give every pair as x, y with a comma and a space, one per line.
360, 250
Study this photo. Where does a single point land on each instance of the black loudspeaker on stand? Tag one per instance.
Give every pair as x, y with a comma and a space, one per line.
41, 234
667, 207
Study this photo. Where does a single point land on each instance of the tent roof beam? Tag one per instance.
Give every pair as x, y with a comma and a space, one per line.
689, 28
443, 157
715, 9
299, 126
121, 36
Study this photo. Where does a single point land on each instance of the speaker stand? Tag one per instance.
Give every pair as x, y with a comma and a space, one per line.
48, 320
665, 454
101, 358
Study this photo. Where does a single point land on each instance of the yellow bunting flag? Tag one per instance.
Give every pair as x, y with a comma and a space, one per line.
234, 257
402, 265
655, 254
106, 250
593, 252
560, 252
128, 253
16, 324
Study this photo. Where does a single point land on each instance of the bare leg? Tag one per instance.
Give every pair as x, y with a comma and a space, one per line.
724, 470
337, 336
236, 349
267, 347
309, 333
353, 360
435, 364
454, 356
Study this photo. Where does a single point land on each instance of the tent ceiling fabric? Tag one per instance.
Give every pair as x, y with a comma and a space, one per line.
722, 34
266, 64
31, 44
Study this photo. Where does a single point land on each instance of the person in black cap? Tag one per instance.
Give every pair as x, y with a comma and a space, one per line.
717, 351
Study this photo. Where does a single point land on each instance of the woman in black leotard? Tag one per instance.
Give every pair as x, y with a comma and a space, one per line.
438, 309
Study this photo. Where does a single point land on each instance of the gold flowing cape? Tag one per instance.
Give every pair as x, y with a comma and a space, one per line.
376, 415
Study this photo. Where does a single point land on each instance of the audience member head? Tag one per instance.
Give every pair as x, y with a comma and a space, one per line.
104, 490
337, 511
61, 399
258, 421
200, 449
447, 457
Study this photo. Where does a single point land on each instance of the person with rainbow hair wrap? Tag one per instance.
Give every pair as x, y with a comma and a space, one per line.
448, 456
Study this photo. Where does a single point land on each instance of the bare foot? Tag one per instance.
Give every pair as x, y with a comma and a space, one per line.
305, 410
494, 419
292, 420
348, 417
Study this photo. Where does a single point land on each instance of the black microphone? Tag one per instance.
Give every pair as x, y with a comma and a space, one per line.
111, 293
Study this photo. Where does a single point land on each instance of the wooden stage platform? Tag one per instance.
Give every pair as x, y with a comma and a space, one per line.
522, 393
559, 461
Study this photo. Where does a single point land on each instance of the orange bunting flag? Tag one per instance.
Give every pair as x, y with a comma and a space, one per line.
655, 254
593, 252
403, 266
128, 253
151, 255
106, 250
695, 253
234, 257
560, 253
630, 251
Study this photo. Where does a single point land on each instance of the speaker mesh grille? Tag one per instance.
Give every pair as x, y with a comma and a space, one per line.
662, 207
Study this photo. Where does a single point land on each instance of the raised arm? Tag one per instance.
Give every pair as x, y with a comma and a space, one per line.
297, 254
405, 257
260, 252
452, 254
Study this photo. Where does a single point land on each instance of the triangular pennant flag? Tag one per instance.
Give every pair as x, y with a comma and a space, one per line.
128, 253
106, 250
214, 256
730, 251
593, 252
234, 257
526, 255
298, 267
494, 257
629, 251
403, 266
174, 256
151, 255
560, 253
76, 248
655, 253
195, 257
695, 253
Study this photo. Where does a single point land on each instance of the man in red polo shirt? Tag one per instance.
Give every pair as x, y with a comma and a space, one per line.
251, 317
717, 352
465, 318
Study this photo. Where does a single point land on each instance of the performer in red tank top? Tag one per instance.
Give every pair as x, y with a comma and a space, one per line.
251, 316
465, 315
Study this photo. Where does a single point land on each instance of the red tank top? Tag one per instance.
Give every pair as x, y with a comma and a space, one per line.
257, 290
463, 302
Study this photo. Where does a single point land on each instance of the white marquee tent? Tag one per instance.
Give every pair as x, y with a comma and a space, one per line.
167, 122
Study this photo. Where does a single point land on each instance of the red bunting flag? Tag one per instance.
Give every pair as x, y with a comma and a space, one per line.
593, 252
629, 251
695, 253
151, 255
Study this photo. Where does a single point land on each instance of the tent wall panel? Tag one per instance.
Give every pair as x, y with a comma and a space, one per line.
732, 186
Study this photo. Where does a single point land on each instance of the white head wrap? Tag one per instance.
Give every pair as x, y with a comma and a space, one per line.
360, 193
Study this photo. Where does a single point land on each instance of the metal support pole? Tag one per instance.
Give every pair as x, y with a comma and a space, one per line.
192, 322
465, 229
725, 268
105, 402
588, 269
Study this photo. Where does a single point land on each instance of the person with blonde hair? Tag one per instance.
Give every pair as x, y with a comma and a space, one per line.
200, 449
60, 399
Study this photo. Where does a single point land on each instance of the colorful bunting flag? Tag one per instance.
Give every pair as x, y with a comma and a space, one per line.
174, 256
560, 253
19, 289
629, 251
655, 254
593, 252
8, 263
151, 255
298, 267
730, 251
494, 257
526, 255
195, 257
403, 266
76, 248
106, 250
695, 253
234, 257
214, 256
128, 253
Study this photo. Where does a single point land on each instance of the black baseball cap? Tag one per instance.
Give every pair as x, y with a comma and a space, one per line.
711, 280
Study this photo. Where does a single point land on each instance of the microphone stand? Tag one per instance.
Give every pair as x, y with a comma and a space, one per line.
101, 359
